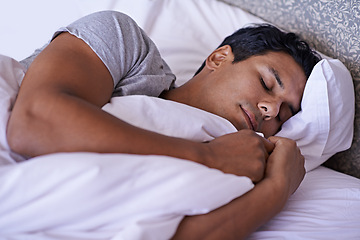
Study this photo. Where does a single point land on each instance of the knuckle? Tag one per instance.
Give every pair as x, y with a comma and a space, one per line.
258, 157
258, 167
256, 177
257, 141
289, 143
255, 171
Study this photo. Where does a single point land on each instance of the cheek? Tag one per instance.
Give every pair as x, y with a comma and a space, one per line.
270, 128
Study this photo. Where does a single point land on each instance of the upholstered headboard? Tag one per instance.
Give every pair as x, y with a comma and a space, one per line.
331, 27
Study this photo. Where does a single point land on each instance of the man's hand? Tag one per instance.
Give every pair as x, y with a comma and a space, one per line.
285, 164
242, 216
243, 153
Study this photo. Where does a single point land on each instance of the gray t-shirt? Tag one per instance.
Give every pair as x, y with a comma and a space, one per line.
129, 54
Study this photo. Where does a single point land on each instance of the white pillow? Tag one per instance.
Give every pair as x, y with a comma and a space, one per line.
169, 118
324, 126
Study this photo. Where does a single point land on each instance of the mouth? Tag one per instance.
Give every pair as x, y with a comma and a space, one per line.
250, 119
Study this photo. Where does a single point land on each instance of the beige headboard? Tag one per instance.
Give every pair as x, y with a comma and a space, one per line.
333, 28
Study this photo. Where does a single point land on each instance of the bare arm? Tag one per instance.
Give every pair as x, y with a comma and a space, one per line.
58, 109
236, 220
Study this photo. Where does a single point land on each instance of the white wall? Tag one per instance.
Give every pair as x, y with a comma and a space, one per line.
28, 24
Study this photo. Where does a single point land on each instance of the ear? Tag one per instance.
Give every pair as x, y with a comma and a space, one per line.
218, 56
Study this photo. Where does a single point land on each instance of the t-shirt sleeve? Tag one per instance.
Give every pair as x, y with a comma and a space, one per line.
131, 57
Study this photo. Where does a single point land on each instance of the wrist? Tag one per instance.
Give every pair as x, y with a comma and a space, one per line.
204, 155
186, 149
198, 152
278, 190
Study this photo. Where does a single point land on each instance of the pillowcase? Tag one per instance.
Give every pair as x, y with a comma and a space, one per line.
324, 126
168, 117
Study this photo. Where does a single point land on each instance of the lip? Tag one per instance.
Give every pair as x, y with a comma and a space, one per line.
250, 119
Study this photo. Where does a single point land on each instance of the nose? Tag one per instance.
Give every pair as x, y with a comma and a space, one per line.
269, 109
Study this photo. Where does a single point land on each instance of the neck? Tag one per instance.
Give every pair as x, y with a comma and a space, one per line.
188, 93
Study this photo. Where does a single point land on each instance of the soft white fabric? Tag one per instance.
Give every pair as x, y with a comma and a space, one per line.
169, 118
325, 124
325, 206
109, 196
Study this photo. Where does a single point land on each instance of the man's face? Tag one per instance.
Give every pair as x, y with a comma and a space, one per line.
259, 93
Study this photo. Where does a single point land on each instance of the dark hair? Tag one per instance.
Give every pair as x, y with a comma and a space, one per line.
261, 38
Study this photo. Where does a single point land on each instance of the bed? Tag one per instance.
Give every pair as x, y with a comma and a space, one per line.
91, 196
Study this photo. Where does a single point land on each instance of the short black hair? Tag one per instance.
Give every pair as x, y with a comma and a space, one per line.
259, 39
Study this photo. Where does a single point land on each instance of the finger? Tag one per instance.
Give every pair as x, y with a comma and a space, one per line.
269, 146
274, 139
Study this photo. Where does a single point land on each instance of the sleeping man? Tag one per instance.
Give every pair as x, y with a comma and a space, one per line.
255, 79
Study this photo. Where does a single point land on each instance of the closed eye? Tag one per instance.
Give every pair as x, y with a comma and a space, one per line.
263, 84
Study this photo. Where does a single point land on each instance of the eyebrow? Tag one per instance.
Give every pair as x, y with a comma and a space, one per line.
277, 77
281, 84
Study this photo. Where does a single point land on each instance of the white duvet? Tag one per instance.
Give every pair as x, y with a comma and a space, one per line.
108, 196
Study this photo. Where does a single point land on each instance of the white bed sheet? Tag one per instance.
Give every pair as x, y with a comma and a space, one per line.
327, 204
